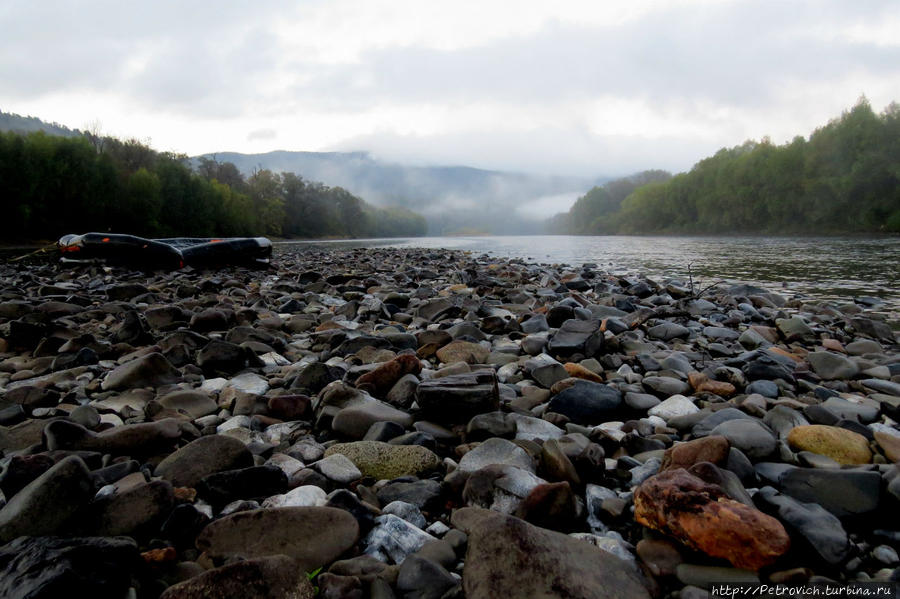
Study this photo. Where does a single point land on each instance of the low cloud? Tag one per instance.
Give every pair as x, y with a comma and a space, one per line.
262, 134
533, 89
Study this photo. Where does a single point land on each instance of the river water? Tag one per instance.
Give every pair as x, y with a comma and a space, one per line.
822, 268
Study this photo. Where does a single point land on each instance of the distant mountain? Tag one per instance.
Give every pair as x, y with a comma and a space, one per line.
28, 124
452, 198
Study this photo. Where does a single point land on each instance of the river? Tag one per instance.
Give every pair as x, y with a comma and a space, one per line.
821, 267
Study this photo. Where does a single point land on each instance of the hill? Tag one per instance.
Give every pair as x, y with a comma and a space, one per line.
843, 179
452, 198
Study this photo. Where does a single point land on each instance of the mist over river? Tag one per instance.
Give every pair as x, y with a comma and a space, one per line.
820, 267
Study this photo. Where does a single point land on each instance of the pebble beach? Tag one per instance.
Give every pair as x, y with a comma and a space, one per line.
427, 424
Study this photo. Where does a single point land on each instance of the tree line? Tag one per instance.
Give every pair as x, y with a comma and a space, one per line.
52, 185
844, 179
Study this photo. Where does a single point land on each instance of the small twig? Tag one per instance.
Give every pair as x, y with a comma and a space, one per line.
34, 253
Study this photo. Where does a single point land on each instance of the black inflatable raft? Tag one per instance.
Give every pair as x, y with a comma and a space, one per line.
172, 253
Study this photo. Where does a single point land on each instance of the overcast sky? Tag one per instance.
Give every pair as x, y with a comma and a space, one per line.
590, 88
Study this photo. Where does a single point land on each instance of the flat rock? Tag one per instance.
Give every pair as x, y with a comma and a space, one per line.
496, 451
147, 371
201, 457
576, 337
507, 557
195, 404
751, 436
269, 577
384, 461
673, 407
457, 398
822, 530
130, 439
831, 366
841, 445
842, 492
314, 536
463, 351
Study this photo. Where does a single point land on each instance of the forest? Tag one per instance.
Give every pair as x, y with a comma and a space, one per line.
51, 185
845, 178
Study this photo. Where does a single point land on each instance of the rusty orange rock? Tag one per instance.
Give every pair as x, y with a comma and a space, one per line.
185, 494
701, 516
702, 383
706, 449
580, 372
833, 345
160, 556
380, 380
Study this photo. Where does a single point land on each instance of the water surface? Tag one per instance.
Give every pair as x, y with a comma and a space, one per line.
825, 268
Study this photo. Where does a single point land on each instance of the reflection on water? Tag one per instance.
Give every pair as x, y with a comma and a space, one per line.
826, 268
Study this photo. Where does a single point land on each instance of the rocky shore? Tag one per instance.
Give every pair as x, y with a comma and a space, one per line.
428, 423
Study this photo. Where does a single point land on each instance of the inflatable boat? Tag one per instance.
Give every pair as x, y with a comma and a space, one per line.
175, 253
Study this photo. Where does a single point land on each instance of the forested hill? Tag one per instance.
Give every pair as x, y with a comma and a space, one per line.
845, 178
51, 185
452, 198
29, 124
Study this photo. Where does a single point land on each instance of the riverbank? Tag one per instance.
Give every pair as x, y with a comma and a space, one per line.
431, 422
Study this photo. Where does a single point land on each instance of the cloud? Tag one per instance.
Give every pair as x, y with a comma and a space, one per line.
262, 134
597, 88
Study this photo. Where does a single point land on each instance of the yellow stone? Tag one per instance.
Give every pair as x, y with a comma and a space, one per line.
580, 372
890, 445
841, 445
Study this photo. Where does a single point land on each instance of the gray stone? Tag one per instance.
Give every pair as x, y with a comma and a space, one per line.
821, 529
752, 437
459, 397
496, 451
339, 468
831, 366
576, 337
314, 536
586, 402
664, 386
508, 557
201, 457
674, 407
421, 578
666, 331
150, 370
195, 404
48, 502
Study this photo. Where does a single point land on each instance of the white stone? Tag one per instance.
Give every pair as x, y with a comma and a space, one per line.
305, 496
677, 405
394, 538
339, 468
531, 429
407, 511
249, 382
233, 423
290, 466
496, 451
214, 385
